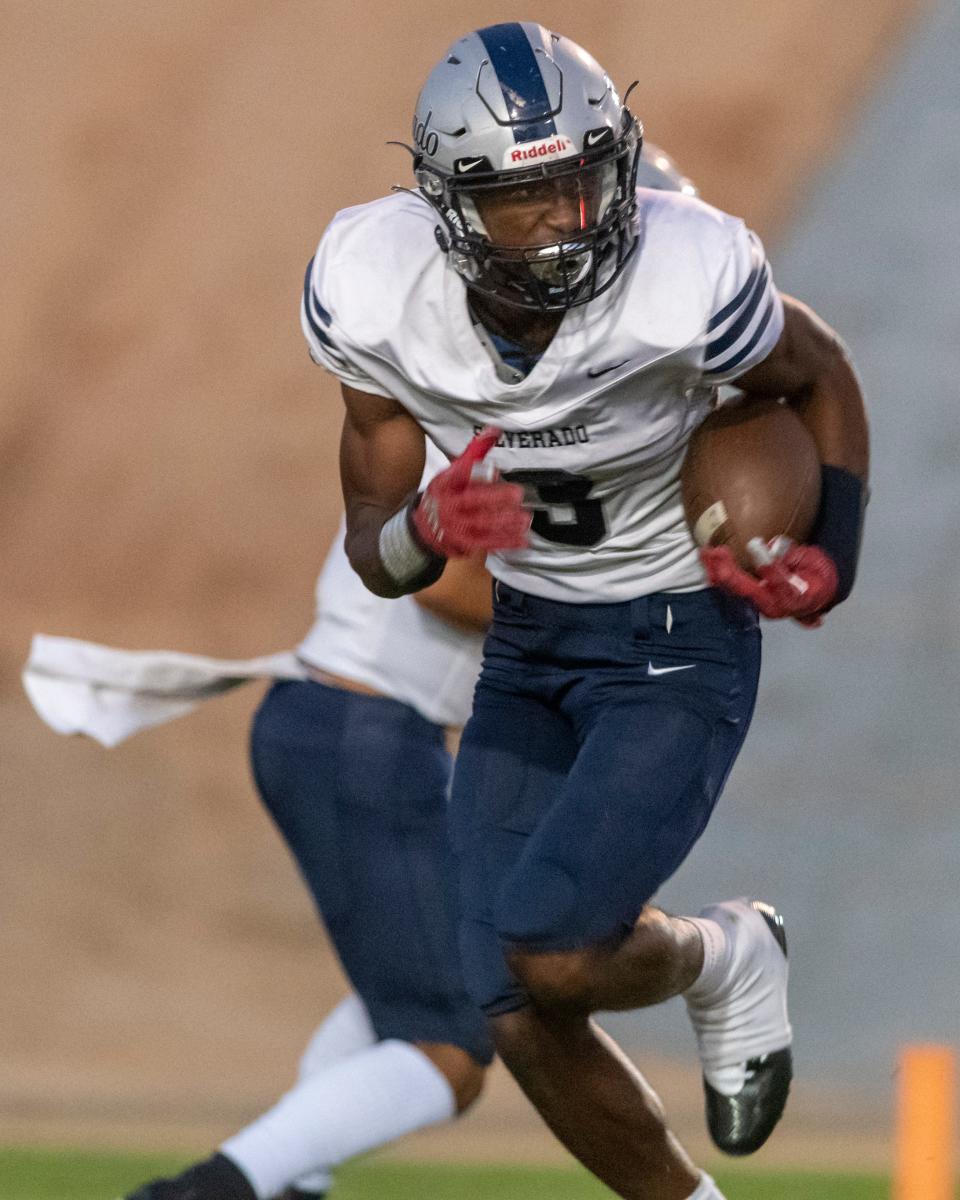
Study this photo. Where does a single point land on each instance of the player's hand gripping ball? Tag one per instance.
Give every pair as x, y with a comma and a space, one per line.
468, 508
751, 491
790, 580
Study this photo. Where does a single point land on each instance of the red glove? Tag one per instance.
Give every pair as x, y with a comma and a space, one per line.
794, 581
467, 508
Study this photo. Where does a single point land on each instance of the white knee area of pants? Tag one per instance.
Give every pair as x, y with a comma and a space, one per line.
345, 1030
707, 1189
354, 1105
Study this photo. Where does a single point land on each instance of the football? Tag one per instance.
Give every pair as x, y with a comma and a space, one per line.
751, 470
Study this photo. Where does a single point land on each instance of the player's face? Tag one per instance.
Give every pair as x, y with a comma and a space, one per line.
544, 211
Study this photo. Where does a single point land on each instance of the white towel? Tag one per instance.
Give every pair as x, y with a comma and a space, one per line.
109, 694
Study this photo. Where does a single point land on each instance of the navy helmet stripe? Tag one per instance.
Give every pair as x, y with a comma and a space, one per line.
521, 81
735, 359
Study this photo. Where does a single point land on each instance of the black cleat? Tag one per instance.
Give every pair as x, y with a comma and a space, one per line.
745, 1096
740, 1124
215, 1179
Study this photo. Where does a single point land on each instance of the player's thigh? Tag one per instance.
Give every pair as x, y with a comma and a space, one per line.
514, 756
646, 779
296, 755
358, 787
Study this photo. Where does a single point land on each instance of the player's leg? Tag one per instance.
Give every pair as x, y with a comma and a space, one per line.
351, 1106
513, 760
656, 749
596, 1101
546, 908
357, 787
584, 879
588, 1093
357, 1104
737, 992
381, 874
735, 995
347, 1030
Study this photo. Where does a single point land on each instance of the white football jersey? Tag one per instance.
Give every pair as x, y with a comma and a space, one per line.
597, 430
393, 646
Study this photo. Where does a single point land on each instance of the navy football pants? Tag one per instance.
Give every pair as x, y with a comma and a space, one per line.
601, 737
357, 786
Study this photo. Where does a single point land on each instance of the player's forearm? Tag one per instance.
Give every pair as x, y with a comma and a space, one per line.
361, 545
381, 462
833, 410
811, 368
384, 552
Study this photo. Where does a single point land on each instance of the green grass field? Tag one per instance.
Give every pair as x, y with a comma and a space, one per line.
64, 1175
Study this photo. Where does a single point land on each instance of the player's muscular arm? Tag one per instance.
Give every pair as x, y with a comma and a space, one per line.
810, 367
382, 454
398, 541
461, 596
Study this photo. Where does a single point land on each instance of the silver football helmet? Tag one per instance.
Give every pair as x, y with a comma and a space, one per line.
511, 110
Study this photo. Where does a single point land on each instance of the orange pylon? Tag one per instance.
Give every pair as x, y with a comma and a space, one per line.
925, 1166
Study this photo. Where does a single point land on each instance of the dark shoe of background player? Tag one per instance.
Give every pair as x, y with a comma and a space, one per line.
214, 1179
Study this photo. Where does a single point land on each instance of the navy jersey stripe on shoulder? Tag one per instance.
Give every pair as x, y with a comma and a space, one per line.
311, 303
729, 309
739, 327
744, 351
521, 81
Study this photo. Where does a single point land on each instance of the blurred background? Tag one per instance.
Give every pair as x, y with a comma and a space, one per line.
168, 479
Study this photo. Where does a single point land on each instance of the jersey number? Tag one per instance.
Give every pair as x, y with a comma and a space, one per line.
563, 513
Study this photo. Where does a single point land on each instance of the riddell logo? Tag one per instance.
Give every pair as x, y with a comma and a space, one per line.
557, 146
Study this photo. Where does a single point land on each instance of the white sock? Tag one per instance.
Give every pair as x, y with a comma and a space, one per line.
354, 1105
716, 959
345, 1031
714, 975
738, 1004
707, 1189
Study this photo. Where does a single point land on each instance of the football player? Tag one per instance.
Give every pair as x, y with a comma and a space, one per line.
367, 828
559, 332
352, 765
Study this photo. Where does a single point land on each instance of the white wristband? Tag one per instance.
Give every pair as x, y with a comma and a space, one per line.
402, 556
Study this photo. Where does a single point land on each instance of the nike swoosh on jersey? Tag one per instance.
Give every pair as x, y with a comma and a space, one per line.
595, 135
652, 670
596, 372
